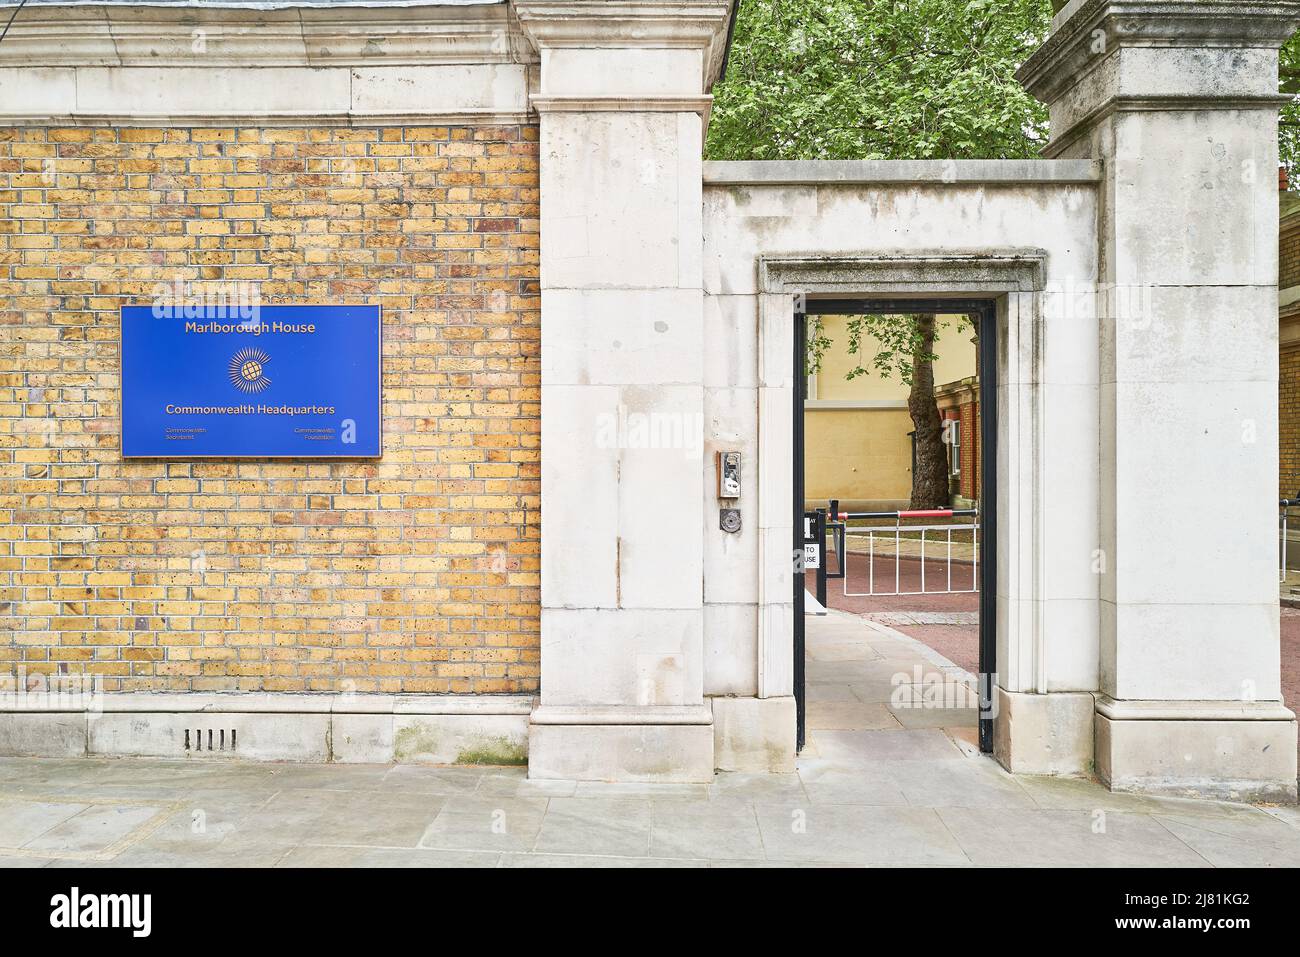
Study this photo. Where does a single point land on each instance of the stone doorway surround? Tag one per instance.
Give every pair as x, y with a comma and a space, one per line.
1016, 280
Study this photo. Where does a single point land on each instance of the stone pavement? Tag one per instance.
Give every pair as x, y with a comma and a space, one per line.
890, 777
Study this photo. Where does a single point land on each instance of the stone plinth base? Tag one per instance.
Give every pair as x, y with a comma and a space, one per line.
254, 726
651, 745
1043, 733
1224, 750
754, 734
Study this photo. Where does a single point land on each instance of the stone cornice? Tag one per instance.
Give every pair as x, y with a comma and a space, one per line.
1087, 31
1065, 136
623, 104
121, 35
625, 23
630, 23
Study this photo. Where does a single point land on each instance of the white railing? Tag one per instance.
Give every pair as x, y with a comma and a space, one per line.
924, 544
1284, 507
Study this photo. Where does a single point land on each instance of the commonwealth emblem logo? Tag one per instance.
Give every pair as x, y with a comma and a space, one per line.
248, 370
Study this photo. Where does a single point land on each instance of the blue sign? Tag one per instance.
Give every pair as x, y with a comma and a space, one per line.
267, 382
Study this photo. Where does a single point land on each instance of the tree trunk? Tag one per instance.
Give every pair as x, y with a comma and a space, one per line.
930, 477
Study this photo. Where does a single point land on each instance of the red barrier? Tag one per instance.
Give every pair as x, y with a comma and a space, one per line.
913, 513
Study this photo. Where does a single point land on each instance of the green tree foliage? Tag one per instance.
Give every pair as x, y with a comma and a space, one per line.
880, 79
899, 79
1289, 121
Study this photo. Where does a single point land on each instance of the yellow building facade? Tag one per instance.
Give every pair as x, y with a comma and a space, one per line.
857, 446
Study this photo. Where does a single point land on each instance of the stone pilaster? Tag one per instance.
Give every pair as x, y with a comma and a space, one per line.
622, 101
1179, 98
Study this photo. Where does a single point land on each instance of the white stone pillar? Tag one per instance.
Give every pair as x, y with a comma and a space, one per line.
622, 100
1179, 98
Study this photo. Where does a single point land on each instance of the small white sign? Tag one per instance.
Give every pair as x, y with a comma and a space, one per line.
812, 556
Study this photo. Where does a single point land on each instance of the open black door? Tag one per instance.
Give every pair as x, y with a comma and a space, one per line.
800, 391
987, 363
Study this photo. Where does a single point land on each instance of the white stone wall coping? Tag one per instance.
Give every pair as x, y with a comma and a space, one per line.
249, 4
269, 702
335, 65
901, 172
281, 35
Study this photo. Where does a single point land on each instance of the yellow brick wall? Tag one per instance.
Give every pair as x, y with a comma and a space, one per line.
416, 573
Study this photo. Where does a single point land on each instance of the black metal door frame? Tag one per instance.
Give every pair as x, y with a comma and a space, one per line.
985, 311
800, 391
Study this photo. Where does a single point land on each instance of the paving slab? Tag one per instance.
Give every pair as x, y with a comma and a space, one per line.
753, 788
826, 782
587, 860
94, 829
514, 782
841, 651
850, 716
1287, 813
705, 831
618, 827
970, 783
475, 823
1086, 794
205, 819
1239, 840
425, 779
1018, 837
833, 691
221, 855
865, 747
336, 777
23, 821
857, 835
312, 856
653, 792
343, 816
936, 717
